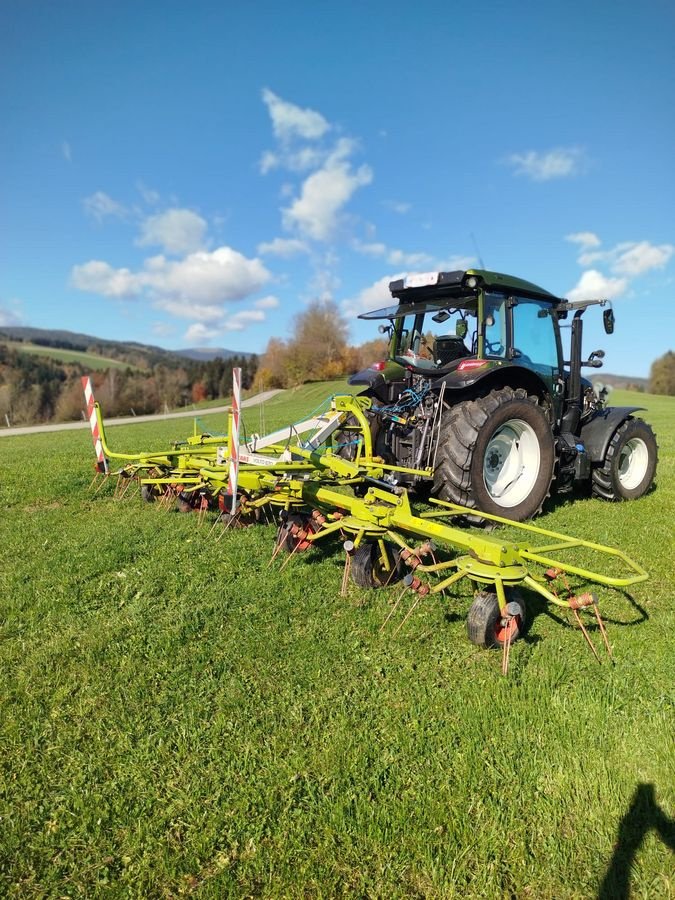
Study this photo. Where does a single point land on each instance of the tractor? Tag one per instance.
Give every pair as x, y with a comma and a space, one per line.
478, 389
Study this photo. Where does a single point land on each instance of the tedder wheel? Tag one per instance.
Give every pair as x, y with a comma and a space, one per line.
496, 454
627, 471
149, 492
247, 515
368, 569
484, 624
287, 534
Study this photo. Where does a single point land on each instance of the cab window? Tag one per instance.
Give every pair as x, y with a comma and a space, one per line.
495, 325
534, 336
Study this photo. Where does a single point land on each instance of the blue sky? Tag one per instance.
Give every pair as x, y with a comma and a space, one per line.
187, 174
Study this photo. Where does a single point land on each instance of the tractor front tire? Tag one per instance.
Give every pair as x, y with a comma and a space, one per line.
628, 469
496, 455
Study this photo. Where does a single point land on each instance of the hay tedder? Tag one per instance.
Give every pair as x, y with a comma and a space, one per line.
319, 479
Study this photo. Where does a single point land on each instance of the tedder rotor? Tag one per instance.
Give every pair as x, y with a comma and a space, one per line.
322, 480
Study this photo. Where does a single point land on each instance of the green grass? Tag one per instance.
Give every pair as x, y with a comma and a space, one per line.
179, 719
89, 360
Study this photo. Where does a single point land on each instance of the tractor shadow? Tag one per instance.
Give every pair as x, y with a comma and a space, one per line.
643, 815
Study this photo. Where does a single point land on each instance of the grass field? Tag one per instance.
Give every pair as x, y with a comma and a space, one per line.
179, 719
88, 360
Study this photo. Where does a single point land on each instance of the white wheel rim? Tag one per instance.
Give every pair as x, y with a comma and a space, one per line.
633, 463
511, 463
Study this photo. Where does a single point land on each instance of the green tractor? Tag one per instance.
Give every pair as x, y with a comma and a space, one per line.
478, 388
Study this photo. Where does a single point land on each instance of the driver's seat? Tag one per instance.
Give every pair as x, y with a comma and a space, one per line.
449, 347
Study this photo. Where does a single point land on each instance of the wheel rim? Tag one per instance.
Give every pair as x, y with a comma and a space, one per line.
511, 463
510, 630
633, 463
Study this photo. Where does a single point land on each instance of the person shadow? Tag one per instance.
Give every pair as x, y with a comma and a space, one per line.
643, 815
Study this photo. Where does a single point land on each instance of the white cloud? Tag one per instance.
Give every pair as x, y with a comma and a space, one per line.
284, 247
177, 231
9, 316
199, 334
456, 263
372, 297
372, 248
635, 258
398, 207
66, 151
594, 285
163, 329
629, 258
269, 302
409, 260
183, 309
100, 206
239, 320
586, 239
98, 277
290, 121
201, 281
316, 212
269, 161
563, 162
401, 258
151, 197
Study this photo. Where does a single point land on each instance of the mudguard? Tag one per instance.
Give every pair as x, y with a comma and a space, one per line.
597, 432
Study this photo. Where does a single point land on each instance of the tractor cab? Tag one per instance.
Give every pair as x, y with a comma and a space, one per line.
449, 324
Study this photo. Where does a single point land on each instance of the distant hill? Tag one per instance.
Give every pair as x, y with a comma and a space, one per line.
131, 352
624, 382
205, 354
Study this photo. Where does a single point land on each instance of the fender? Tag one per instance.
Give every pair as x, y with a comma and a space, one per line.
597, 432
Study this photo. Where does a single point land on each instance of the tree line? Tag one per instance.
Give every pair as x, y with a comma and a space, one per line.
39, 389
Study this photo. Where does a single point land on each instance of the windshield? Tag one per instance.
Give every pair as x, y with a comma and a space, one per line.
434, 338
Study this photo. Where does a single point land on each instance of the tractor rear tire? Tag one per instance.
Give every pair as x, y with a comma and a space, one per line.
496, 455
628, 469
484, 625
368, 570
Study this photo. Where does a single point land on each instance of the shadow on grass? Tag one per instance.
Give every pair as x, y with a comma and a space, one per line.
644, 814
538, 606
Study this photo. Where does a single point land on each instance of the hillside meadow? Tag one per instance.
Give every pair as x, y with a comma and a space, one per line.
179, 718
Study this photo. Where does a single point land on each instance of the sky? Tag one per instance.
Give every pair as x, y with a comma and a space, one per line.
195, 174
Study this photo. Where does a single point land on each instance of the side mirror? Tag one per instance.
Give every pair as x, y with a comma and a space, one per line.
461, 329
608, 320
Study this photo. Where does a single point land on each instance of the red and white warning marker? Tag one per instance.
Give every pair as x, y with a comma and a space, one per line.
101, 460
234, 440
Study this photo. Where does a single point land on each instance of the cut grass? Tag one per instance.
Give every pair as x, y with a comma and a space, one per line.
178, 718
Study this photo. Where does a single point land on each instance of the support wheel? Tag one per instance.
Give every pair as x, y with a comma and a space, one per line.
484, 624
292, 533
628, 469
248, 515
368, 568
496, 455
149, 493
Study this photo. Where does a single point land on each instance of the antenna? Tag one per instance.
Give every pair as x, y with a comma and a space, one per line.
477, 249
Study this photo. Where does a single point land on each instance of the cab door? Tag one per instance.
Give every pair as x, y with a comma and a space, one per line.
535, 341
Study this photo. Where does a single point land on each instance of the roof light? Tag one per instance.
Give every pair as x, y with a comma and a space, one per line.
471, 281
468, 364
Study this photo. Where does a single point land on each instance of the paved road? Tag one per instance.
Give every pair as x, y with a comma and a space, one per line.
133, 420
